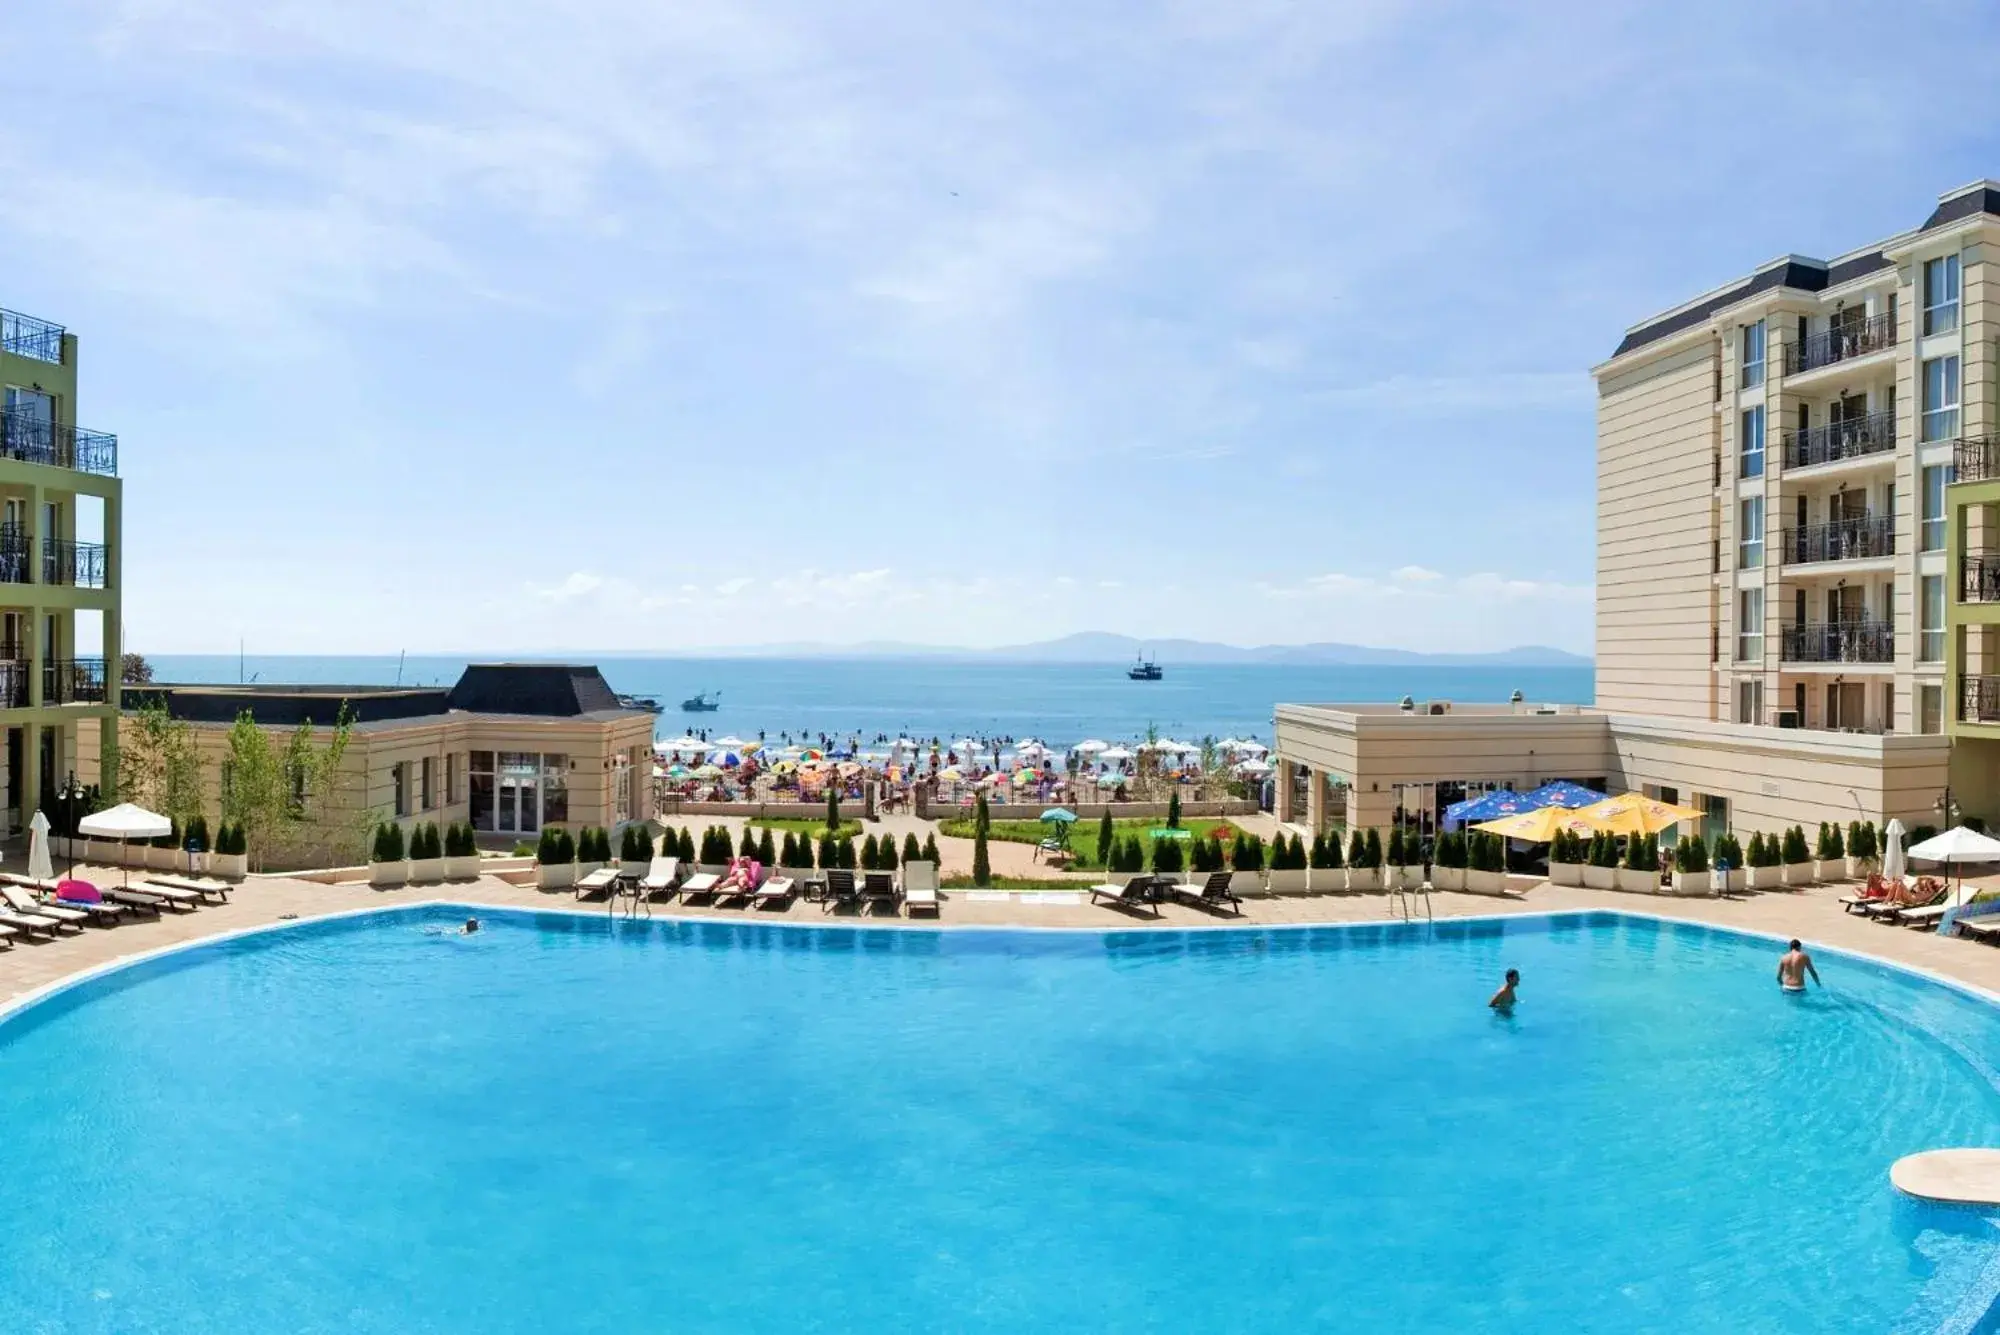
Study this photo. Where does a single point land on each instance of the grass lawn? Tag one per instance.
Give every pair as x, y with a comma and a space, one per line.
813, 825
1082, 835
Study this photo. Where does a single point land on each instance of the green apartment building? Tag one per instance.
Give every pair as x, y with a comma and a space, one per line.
60, 509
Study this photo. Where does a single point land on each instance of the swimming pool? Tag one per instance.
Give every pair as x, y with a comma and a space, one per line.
574, 1123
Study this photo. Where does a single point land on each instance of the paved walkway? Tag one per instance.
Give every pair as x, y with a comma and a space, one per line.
1814, 915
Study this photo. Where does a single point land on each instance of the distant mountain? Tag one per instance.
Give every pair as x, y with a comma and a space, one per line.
1102, 647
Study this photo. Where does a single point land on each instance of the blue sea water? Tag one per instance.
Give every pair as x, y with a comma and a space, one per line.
590, 1124
1056, 702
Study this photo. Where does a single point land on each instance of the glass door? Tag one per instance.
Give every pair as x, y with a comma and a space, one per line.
519, 799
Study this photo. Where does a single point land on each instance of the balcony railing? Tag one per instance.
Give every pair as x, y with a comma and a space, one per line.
1979, 578
77, 563
1975, 458
25, 336
1839, 642
1853, 339
14, 567
36, 440
1842, 540
14, 681
1979, 699
73, 681
1831, 442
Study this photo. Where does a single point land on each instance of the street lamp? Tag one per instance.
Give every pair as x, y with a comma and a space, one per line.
70, 792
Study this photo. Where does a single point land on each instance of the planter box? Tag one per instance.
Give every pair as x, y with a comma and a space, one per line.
1411, 878
164, 859
584, 869
1448, 878
1860, 869
388, 873
1828, 870
1565, 873
1247, 882
1732, 882
555, 875
1693, 883
426, 871
1364, 878
1763, 878
1638, 882
1324, 880
462, 868
1485, 882
1290, 882
1600, 878
1798, 875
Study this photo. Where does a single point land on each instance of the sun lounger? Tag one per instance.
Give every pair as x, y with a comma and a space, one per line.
1930, 895
920, 887
1213, 893
878, 887
1985, 930
662, 878
35, 926
24, 903
840, 889
600, 880
1926, 916
133, 897
178, 895
701, 883
777, 890
7, 937
1135, 893
204, 890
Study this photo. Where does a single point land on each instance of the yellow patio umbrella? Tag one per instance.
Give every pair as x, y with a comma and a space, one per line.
1635, 813
1539, 826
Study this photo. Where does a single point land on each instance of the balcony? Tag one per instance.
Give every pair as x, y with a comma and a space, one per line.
1975, 458
14, 567
1979, 578
79, 564
1845, 342
1842, 540
25, 336
1839, 642
1834, 442
14, 681
36, 440
1979, 699
73, 681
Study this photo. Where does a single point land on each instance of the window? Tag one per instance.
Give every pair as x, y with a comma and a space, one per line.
1930, 536
1930, 639
621, 788
1750, 701
555, 788
1751, 443
451, 779
1930, 709
399, 781
1753, 355
426, 794
1941, 295
1750, 626
1750, 533
1940, 398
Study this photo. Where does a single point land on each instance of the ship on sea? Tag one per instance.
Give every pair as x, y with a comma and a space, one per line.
645, 702
706, 702
1145, 670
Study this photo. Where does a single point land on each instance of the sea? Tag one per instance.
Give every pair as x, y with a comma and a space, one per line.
1056, 703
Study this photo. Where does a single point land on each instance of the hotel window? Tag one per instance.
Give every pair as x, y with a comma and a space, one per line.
1930, 709
555, 788
1750, 533
1940, 398
1941, 295
399, 781
1930, 639
479, 789
621, 788
1750, 626
1750, 701
1751, 443
1930, 537
426, 794
1753, 355
451, 778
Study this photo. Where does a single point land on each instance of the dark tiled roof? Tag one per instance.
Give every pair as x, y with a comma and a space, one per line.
549, 689
1805, 275
516, 690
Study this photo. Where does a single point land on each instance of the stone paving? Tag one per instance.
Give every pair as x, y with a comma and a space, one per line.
1814, 915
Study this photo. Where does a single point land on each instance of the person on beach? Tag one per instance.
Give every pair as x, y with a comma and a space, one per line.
1503, 1000
1793, 968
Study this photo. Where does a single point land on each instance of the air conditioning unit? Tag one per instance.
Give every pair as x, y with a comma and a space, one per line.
1789, 718
1437, 706
1547, 710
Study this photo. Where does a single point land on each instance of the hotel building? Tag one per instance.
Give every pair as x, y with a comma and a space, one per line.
60, 505
1784, 633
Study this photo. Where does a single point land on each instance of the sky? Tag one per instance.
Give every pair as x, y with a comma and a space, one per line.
527, 326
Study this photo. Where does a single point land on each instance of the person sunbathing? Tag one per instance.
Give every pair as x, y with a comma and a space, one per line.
743, 876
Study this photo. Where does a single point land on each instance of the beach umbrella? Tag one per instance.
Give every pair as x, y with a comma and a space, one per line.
812, 753
965, 744
731, 743
706, 772
40, 867
1892, 851
1109, 780
1090, 747
1540, 826
685, 744
785, 767
1024, 778
1253, 767
1955, 848
1115, 753
1636, 814
1253, 748
1059, 815
1562, 793
1030, 750
951, 772
125, 822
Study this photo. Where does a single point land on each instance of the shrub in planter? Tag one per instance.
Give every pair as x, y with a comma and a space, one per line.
799, 854
829, 853
1638, 873
767, 852
845, 849
868, 853
1395, 855
1174, 810
1326, 853
911, 853
1106, 836
461, 852
1288, 873
1375, 848
1364, 861
1861, 849
788, 852
931, 850
1167, 857
1248, 854
1357, 849
426, 854
1797, 857
1448, 861
196, 834
1830, 853
385, 856
1691, 874
1728, 852
635, 846
1917, 834
1201, 857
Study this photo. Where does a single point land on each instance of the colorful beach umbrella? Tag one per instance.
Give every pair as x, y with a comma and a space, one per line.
1540, 826
1634, 813
1058, 815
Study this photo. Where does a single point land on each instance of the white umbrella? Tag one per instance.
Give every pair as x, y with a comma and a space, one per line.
1956, 847
729, 743
683, 744
125, 823
1091, 747
1029, 750
40, 867
1254, 767
1892, 851
1115, 753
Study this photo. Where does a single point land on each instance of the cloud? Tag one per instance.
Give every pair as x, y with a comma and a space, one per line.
577, 585
1414, 574
1469, 393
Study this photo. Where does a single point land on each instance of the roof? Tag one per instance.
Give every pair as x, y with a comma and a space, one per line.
490, 690
552, 689
1805, 274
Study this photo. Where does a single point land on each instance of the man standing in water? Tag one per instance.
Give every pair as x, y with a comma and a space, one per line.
1793, 968
1503, 1000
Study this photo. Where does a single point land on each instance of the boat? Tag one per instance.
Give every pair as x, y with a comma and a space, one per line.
702, 704
645, 702
1145, 670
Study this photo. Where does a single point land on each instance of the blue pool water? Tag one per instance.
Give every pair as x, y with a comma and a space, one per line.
580, 1124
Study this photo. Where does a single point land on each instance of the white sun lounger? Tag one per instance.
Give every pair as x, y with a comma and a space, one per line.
199, 889
920, 887
776, 890
35, 926
21, 901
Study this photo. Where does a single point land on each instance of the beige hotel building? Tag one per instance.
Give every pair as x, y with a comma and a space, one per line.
1773, 582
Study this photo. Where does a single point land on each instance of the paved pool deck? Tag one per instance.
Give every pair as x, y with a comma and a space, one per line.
1814, 915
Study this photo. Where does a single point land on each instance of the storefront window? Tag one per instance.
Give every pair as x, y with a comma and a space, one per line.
555, 788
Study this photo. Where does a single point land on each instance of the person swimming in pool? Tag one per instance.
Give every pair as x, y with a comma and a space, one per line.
1503, 1000
471, 926
1793, 968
